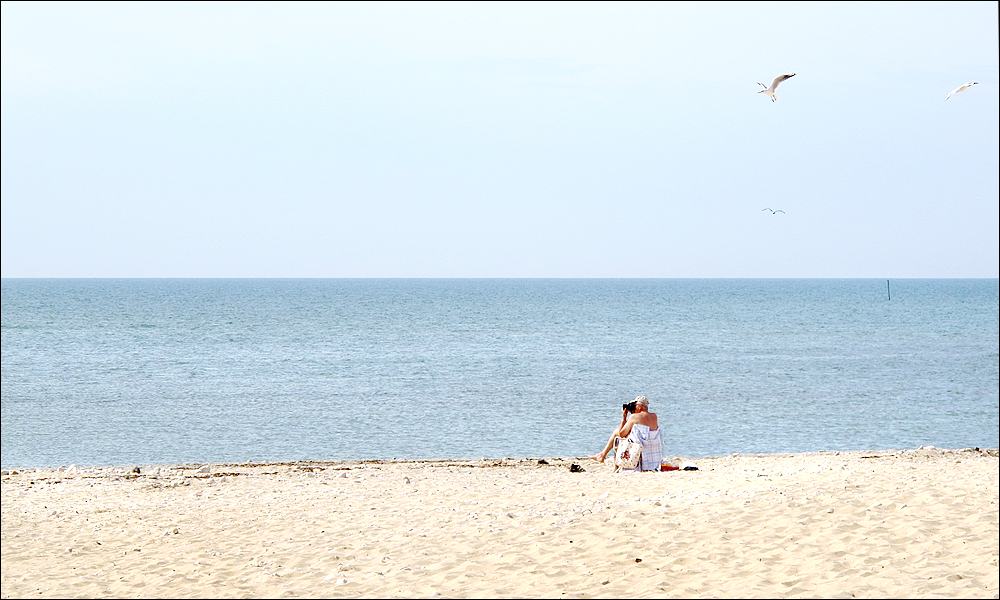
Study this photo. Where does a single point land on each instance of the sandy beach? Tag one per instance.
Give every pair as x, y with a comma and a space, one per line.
880, 524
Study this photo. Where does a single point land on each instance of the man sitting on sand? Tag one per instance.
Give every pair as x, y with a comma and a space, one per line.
638, 425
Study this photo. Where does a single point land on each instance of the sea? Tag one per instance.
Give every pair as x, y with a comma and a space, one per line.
120, 372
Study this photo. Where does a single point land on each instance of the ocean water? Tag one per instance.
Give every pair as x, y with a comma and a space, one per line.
149, 371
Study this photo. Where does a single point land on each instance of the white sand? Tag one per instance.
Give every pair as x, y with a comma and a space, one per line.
887, 524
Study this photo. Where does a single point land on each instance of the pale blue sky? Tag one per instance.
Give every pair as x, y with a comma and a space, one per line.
499, 140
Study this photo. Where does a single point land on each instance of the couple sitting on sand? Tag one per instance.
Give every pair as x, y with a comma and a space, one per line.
640, 426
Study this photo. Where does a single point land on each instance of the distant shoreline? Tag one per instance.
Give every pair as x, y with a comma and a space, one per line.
434, 462
145, 469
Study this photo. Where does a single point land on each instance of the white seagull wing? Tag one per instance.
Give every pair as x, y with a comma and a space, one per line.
779, 79
960, 88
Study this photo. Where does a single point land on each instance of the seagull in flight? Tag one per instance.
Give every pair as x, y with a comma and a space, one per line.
774, 85
773, 212
961, 88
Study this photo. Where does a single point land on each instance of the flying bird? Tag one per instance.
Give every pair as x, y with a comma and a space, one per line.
774, 85
961, 88
772, 211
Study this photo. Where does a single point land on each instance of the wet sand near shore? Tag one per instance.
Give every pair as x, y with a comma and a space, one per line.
881, 524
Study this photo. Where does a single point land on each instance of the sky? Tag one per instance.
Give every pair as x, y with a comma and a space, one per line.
502, 139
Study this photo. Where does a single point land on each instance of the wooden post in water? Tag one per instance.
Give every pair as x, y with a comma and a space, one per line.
887, 292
